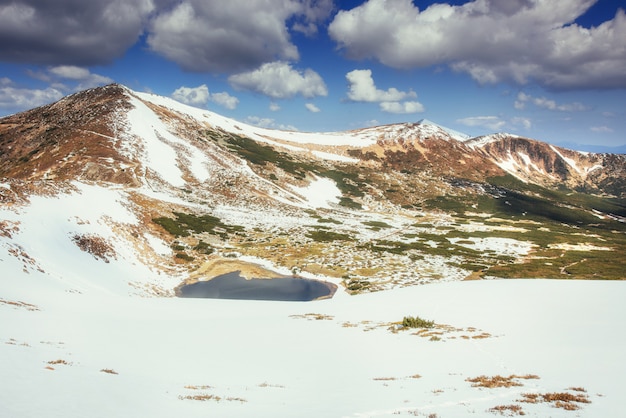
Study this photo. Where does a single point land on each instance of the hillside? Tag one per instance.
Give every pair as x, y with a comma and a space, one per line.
111, 200
373, 208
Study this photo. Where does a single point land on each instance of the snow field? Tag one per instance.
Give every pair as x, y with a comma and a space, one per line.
271, 359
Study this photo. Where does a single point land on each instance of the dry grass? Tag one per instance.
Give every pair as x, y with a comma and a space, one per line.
20, 304
59, 361
313, 317
507, 410
109, 371
201, 387
200, 397
499, 381
269, 385
96, 246
564, 400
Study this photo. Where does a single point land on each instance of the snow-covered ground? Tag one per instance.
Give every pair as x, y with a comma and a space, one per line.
101, 354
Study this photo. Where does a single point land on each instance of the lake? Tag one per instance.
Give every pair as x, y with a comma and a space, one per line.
234, 286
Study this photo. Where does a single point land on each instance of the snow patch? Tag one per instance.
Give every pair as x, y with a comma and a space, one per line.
569, 161
159, 146
503, 246
320, 193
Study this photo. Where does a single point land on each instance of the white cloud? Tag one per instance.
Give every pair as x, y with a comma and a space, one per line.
200, 96
492, 41
196, 96
371, 122
524, 122
312, 108
363, 89
17, 99
545, 103
233, 35
279, 80
269, 123
522, 98
601, 129
274, 107
224, 99
404, 107
82, 77
491, 122
70, 32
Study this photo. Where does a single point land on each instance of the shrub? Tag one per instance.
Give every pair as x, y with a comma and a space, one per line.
416, 322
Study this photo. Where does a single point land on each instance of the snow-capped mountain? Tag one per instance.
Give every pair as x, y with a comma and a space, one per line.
117, 135
156, 159
112, 200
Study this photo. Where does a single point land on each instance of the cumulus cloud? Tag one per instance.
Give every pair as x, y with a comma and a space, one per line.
200, 96
199, 35
85, 78
312, 108
224, 99
61, 81
404, 107
545, 103
195, 96
492, 41
363, 89
69, 31
234, 35
269, 123
279, 80
15, 98
491, 122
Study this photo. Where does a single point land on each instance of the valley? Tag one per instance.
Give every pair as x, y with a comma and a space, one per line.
469, 276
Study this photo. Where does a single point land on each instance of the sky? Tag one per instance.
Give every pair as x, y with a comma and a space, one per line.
549, 70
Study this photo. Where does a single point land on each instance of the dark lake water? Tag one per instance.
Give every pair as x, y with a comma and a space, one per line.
233, 286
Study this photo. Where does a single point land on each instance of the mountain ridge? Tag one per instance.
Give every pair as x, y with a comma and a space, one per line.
529, 160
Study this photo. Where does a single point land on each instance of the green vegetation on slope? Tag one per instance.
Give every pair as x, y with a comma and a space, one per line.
185, 223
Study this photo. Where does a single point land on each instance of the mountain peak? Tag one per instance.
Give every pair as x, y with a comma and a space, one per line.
459, 136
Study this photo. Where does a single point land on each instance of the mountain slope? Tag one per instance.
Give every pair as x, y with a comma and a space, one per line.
153, 193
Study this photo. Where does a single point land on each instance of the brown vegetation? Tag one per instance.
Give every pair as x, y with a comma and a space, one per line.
499, 381
564, 400
20, 304
95, 245
508, 410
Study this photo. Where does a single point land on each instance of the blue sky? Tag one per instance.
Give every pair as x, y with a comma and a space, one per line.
549, 70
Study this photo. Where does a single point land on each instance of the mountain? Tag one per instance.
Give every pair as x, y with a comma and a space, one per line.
362, 206
87, 135
112, 201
